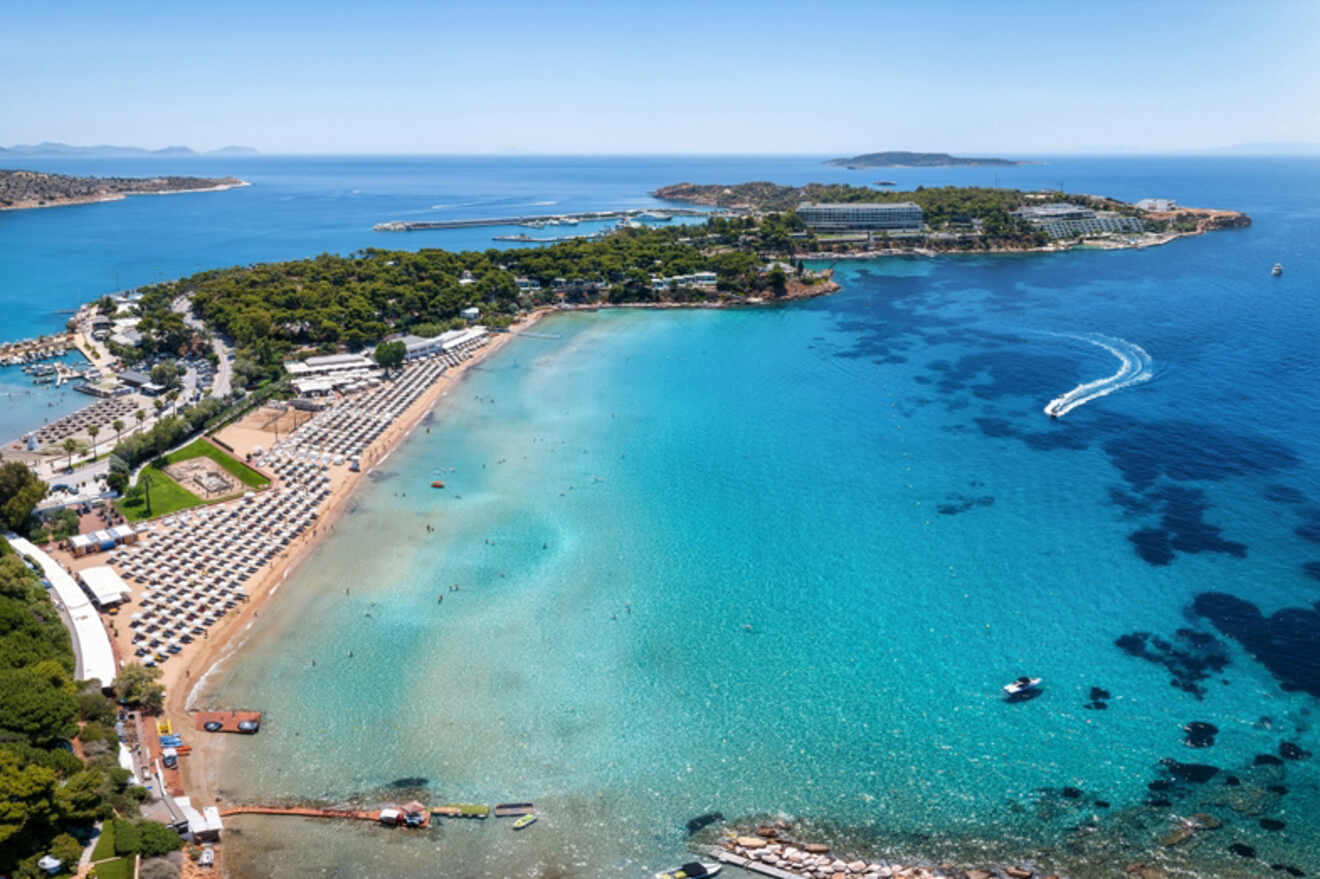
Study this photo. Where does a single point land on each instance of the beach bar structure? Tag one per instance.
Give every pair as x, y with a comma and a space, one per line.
100, 541
451, 342
328, 365
105, 586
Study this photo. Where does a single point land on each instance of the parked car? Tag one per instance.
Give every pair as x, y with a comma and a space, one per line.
213, 726
249, 726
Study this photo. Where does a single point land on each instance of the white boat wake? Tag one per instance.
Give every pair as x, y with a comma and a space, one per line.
1134, 368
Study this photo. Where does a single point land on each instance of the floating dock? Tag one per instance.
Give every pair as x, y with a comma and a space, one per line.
513, 810
229, 720
542, 219
462, 810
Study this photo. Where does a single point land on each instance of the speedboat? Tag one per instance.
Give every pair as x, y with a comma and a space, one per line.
1277, 270
524, 821
1021, 685
693, 870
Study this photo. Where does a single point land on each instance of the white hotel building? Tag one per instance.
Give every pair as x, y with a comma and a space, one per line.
862, 215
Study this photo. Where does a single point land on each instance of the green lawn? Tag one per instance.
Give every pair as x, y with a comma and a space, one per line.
118, 869
105, 843
167, 496
236, 468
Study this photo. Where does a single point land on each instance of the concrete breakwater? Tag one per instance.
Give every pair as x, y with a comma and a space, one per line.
771, 851
539, 219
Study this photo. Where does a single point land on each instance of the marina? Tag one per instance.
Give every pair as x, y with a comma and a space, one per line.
540, 220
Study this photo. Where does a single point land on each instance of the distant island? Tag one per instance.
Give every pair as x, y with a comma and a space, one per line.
104, 151
34, 189
902, 159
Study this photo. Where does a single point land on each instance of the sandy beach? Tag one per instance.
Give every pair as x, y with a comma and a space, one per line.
184, 678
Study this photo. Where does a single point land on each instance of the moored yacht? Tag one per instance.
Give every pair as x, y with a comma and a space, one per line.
1277, 270
691, 870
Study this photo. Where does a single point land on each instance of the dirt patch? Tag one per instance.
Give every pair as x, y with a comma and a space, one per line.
204, 478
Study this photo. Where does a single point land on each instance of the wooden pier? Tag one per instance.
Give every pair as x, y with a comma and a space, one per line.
228, 720
308, 812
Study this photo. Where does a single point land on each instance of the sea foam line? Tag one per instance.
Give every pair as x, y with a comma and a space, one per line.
1134, 368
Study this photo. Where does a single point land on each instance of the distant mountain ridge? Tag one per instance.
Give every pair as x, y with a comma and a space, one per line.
49, 148
903, 159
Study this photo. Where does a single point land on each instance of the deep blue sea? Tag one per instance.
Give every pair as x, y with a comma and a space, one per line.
783, 559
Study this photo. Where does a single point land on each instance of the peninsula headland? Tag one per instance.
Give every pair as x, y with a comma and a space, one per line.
34, 189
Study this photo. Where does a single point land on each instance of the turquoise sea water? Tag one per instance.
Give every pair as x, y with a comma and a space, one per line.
783, 559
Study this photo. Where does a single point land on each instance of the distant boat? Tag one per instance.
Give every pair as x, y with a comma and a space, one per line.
1277, 270
524, 821
693, 870
1021, 685
885, 183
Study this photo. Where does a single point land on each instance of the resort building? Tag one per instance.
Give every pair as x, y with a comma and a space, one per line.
328, 365
696, 279
472, 312
525, 285
1057, 210
1161, 205
453, 341
1064, 220
902, 215
141, 381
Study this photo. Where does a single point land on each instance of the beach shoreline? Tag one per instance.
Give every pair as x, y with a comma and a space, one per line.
185, 680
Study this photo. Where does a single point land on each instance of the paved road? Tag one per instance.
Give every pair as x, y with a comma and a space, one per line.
224, 372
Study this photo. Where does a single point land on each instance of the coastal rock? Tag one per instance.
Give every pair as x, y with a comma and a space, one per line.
751, 842
1177, 835
975, 874
1205, 821
857, 866
767, 831
816, 848
1017, 872
839, 866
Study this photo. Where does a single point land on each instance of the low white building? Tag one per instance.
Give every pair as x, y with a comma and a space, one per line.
105, 586
327, 365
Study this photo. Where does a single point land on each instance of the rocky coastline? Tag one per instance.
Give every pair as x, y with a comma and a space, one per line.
774, 850
20, 190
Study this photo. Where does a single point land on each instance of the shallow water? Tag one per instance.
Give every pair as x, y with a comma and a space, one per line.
783, 559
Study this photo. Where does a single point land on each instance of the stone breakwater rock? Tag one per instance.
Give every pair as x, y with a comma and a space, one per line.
1017, 872
816, 848
751, 842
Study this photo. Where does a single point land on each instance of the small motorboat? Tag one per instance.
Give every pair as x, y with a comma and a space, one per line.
437, 484
692, 870
524, 821
1277, 270
1021, 685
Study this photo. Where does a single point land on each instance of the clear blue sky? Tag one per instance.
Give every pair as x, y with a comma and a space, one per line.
403, 76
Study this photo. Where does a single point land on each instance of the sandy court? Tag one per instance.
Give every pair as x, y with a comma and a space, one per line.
262, 427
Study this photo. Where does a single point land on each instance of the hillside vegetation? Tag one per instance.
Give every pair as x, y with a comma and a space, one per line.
33, 188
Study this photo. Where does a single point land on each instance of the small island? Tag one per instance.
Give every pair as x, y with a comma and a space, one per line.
34, 189
903, 159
